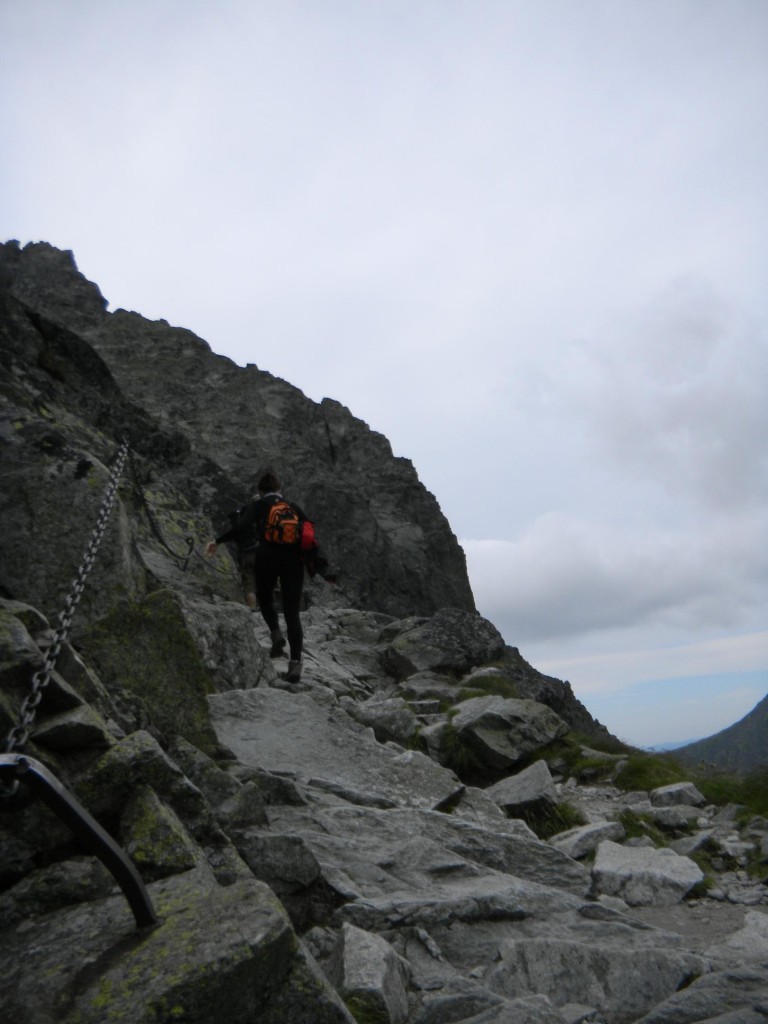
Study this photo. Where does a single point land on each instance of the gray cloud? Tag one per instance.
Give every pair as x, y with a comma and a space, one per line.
567, 578
528, 247
677, 393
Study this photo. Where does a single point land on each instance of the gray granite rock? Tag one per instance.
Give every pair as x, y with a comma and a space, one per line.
370, 976
735, 996
532, 787
216, 946
501, 732
677, 793
644, 876
285, 732
581, 841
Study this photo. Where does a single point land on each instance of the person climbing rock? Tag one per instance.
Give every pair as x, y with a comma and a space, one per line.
276, 525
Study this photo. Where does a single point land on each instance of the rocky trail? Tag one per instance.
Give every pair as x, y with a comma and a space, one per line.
417, 897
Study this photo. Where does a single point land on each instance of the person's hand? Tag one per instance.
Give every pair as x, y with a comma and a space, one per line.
211, 549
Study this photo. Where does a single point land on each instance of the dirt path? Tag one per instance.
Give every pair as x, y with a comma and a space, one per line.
702, 924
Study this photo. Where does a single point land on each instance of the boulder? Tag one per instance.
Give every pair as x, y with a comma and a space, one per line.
370, 976
677, 793
429, 685
748, 945
214, 947
154, 838
674, 817
285, 862
738, 995
410, 850
44, 890
531, 788
501, 732
580, 842
644, 876
146, 648
80, 728
390, 718
621, 979
452, 641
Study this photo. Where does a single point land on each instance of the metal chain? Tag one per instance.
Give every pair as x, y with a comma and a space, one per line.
19, 734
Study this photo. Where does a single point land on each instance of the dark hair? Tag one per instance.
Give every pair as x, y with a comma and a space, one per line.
268, 483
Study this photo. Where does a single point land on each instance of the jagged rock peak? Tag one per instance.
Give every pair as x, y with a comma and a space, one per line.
47, 279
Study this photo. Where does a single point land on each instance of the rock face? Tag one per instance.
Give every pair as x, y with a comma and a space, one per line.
356, 847
383, 531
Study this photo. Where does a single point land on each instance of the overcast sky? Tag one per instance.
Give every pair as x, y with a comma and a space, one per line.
524, 239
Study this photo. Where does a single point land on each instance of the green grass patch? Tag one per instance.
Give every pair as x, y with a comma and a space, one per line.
647, 771
489, 684
723, 788
605, 744
587, 767
701, 889
650, 771
547, 819
637, 826
459, 756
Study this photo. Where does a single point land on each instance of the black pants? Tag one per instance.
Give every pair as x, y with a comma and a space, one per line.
278, 562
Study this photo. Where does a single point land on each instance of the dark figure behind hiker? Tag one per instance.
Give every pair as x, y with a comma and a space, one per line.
246, 544
274, 560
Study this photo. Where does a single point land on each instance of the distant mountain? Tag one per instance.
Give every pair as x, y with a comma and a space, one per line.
663, 748
739, 748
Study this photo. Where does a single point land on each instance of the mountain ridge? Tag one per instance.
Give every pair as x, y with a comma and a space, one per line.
739, 748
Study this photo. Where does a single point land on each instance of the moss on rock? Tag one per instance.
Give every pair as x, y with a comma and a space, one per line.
154, 837
146, 648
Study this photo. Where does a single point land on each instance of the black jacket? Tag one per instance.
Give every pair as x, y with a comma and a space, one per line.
248, 533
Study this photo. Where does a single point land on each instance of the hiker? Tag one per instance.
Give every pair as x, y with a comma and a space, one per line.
275, 558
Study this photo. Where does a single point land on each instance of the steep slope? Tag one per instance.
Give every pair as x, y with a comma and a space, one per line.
739, 748
383, 531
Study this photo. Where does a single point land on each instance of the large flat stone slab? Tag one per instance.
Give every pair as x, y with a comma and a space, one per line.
290, 732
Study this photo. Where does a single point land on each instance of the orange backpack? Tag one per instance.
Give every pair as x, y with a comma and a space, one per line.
283, 525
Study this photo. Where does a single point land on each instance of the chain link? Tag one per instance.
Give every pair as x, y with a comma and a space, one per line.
19, 734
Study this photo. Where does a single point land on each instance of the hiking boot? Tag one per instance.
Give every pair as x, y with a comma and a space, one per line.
278, 644
293, 675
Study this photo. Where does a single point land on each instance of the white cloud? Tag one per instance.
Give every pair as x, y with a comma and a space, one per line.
567, 577
614, 671
678, 394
